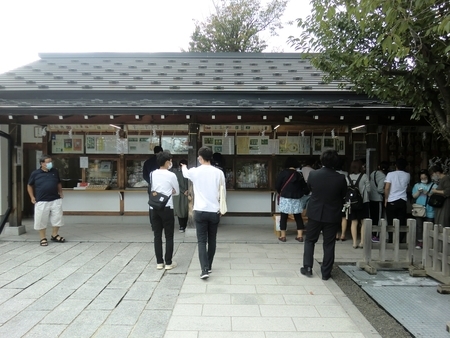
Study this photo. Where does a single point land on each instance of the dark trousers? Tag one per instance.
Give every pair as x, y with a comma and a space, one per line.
396, 209
313, 229
376, 211
163, 220
298, 219
206, 224
183, 222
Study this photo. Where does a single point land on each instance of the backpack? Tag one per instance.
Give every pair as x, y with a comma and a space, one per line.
353, 198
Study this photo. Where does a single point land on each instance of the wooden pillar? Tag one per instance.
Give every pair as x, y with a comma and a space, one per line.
194, 134
15, 218
372, 142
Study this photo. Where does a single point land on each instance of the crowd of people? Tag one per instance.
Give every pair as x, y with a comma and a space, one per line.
321, 188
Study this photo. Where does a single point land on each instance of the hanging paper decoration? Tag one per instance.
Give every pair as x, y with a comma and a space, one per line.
332, 133
399, 135
70, 133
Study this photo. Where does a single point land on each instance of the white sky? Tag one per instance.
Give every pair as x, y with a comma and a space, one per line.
29, 27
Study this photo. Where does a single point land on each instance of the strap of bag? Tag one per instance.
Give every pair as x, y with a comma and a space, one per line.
356, 185
284, 185
375, 178
428, 196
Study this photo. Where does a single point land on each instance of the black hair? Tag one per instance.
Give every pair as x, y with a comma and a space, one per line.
401, 164
384, 166
426, 173
330, 158
183, 161
437, 169
206, 153
157, 149
43, 158
162, 157
356, 166
291, 162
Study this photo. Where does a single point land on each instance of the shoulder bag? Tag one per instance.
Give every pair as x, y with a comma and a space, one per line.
419, 210
436, 201
156, 200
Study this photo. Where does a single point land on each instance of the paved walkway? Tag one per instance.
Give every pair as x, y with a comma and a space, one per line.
103, 282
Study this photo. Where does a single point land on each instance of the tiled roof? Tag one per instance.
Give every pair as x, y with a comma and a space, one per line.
173, 72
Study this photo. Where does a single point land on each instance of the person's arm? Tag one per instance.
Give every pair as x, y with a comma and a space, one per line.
146, 172
31, 193
185, 171
380, 184
60, 191
175, 185
387, 189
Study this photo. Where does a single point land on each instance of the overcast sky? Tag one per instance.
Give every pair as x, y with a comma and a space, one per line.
29, 27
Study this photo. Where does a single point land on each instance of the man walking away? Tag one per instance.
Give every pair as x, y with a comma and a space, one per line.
206, 180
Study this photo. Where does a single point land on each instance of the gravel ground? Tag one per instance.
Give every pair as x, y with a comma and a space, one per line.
386, 325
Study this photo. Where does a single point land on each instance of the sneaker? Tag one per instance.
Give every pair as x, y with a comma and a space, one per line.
419, 245
182, 229
160, 266
171, 266
375, 239
204, 275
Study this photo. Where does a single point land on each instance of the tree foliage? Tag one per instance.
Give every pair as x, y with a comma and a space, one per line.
236, 26
397, 51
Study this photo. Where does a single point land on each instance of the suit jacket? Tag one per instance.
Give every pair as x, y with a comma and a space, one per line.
327, 199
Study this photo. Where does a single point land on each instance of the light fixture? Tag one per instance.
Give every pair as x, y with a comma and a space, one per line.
276, 127
113, 125
239, 117
188, 117
264, 117
111, 117
290, 117
61, 117
86, 117
213, 117
342, 117
392, 118
35, 117
136, 117
358, 127
286, 119
163, 117
367, 117
10, 117
316, 117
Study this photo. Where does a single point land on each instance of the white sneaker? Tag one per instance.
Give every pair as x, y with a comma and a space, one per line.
160, 266
171, 266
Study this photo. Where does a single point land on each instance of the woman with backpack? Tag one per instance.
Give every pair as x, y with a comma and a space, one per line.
291, 186
357, 200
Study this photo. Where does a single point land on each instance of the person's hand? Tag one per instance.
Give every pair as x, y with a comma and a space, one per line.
33, 200
186, 193
61, 194
174, 191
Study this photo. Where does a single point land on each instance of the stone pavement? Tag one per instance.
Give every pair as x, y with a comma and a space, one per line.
103, 282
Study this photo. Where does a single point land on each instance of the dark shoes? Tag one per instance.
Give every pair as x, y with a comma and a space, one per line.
326, 277
306, 271
299, 239
204, 275
282, 239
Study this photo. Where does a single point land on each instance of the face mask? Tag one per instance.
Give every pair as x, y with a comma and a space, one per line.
435, 178
49, 165
424, 181
170, 166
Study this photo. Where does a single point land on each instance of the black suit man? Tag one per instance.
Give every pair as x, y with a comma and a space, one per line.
324, 212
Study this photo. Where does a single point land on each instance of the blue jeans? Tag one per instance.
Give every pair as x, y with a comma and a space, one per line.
163, 219
206, 224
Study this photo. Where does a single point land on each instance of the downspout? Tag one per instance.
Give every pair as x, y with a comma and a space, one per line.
10, 183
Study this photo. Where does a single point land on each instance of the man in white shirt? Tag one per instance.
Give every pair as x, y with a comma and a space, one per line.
165, 182
396, 183
206, 180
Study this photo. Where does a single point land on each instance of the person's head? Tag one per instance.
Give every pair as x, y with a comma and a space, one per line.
436, 172
205, 155
291, 162
330, 159
46, 162
401, 164
384, 166
164, 159
356, 167
157, 149
340, 164
309, 161
218, 160
424, 176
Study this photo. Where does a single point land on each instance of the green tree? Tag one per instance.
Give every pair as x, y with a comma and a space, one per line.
236, 26
397, 51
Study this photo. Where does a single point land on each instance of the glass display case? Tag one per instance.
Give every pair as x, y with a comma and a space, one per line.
102, 172
69, 170
252, 173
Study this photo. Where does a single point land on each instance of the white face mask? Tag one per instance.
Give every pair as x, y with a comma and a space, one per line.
424, 181
170, 166
49, 165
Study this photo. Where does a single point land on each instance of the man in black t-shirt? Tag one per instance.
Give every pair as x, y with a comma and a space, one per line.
45, 190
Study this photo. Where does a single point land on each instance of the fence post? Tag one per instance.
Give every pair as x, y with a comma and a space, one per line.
396, 239
411, 223
367, 241
436, 266
426, 261
445, 244
382, 234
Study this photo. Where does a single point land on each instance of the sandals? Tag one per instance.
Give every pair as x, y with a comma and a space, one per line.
282, 239
57, 238
343, 239
43, 242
